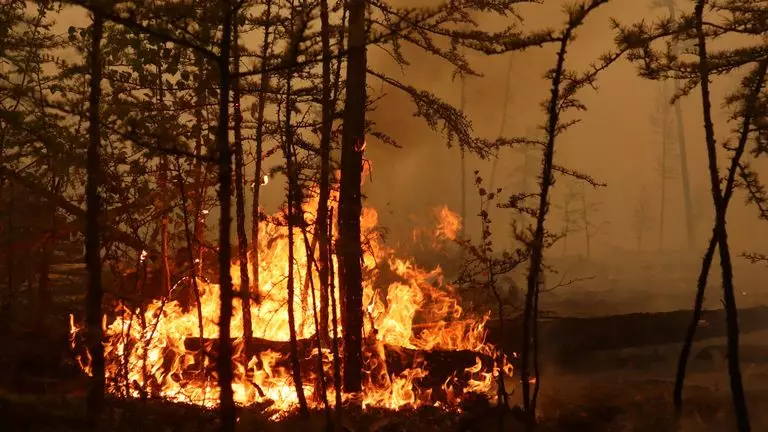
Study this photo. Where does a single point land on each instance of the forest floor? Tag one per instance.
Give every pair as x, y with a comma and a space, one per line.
622, 391
601, 402
41, 390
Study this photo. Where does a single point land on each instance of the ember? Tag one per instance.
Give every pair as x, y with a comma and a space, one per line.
158, 352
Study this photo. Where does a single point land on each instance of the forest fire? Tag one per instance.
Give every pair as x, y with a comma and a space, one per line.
412, 316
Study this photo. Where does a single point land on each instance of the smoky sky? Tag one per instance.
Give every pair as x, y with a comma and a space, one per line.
615, 142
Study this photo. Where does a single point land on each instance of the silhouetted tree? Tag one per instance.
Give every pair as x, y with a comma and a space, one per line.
735, 17
641, 217
92, 236
564, 86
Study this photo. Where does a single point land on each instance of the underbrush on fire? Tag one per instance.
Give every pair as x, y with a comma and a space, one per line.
605, 405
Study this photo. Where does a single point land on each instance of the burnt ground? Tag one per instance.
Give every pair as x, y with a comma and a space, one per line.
605, 402
611, 390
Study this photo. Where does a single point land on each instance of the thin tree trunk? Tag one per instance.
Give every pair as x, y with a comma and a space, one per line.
350, 199
190, 252
325, 170
664, 145
537, 247
46, 259
224, 361
721, 232
535, 348
10, 259
502, 127
567, 212
200, 174
44, 279
334, 330
291, 215
310, 256
257, 176
585, 216
242, 238
749, 110
463, 159
689, 222
165, 196
92, 242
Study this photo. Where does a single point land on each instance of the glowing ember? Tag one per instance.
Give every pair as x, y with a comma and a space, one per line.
147, 352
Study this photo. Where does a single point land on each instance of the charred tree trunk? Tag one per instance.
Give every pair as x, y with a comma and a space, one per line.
291, 217
92, 242
350, 198
463, 161
164, 195
191, 256
334, 328
719, 234
537, 246
166, 268
257, 176
242, 238
325, 170
224, 362
10, 260
200, 172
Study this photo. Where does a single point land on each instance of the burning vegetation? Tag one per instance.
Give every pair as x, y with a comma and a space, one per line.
124, 133
166, 349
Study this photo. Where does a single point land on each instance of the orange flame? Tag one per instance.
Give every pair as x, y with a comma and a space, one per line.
448, 224
145, 351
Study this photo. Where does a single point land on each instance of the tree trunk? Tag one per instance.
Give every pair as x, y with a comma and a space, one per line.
224, 362
291, 216
242, 238
537, 246
44, 280
257, 176
92, 242
663, 191
334, 329
164, 195
721, 232
350, 199
689, 222
502, 126
10, 260
585, 216
719, 236
191, 256
325, 170
701, 285
200, 176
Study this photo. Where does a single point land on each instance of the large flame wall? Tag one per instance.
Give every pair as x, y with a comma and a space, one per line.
145, 351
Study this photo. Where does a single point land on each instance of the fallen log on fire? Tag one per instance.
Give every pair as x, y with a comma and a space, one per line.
439, 365
569, 337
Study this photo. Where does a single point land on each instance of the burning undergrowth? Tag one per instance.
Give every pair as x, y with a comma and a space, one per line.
421, 348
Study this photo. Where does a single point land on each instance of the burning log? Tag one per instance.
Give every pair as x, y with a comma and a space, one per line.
439, 365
